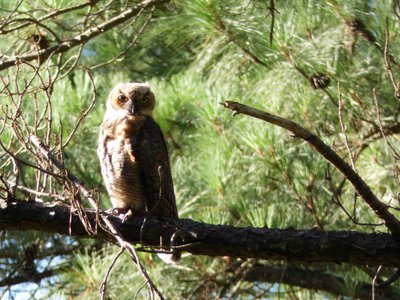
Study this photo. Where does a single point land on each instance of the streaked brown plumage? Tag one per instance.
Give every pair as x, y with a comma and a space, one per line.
133, 154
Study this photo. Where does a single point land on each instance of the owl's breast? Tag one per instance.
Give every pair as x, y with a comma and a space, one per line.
121, 170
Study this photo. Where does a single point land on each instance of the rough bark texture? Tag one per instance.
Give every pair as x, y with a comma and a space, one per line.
318, 280
214, 240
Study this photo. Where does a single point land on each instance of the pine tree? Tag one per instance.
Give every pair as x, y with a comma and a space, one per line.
330, 66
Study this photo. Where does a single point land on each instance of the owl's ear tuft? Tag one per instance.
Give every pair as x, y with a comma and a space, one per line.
119, 84
116, 88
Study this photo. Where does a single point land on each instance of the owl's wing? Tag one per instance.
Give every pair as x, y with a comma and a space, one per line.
104, 155
151, 152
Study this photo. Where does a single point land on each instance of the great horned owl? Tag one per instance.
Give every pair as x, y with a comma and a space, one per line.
133, 154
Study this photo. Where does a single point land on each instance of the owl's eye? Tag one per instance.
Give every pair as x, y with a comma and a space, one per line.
144, 99
122, 98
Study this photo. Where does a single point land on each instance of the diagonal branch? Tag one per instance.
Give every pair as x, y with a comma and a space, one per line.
199, 238
82, 38
380, 209
51, 15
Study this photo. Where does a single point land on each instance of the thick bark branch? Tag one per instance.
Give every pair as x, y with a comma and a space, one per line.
82, 38
317, 280
380, 209
213, 240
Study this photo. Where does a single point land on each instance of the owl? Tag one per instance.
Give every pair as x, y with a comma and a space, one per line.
133, 154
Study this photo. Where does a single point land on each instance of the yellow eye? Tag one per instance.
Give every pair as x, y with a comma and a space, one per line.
122, 98
144, 99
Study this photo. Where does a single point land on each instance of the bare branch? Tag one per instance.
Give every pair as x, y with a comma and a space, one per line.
378, 114
344, 128
272, 11
85, 222
103, 285
84, 113
7, 20
132, 43
386, 60
388, 67
82, 38
380, 209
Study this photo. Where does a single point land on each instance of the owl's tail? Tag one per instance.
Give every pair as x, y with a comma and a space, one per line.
173, 256
170, 258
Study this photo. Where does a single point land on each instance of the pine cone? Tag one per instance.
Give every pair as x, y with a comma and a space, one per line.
319, 81
38, 41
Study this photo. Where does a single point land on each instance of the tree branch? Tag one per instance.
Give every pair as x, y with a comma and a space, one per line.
212, 240
82, 38
22, 279
317, 280
380, 209
51, 15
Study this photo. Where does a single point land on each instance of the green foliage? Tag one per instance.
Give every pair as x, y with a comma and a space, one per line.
232, 170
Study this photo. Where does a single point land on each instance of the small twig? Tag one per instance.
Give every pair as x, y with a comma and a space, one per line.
344, 128
139, 289
45, 17
335, 198
84, 112
103, 285
272, 11
133, 42
230, 37
29, 164
390, 280
374, 282
88, 195
380, 209
336, 201
394, 207
40, 194
73, 65
396, 8
378, 114
242, 271
388, 67
7, 21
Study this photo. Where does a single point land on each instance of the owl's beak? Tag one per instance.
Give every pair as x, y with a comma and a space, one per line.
135, 108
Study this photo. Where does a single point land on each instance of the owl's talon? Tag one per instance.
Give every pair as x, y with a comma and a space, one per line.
122, 213
120, 210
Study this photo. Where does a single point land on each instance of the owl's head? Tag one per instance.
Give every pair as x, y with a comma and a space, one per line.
132, 99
